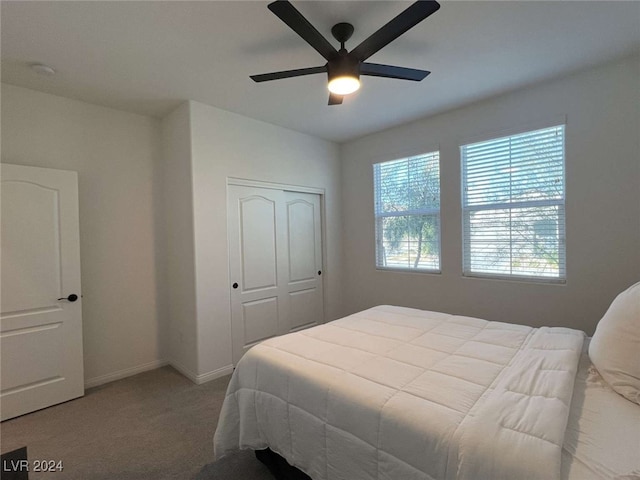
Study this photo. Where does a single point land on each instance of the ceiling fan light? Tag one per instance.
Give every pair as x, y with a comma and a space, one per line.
344, 85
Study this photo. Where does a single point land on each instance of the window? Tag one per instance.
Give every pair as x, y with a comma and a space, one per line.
407, 212
513, 206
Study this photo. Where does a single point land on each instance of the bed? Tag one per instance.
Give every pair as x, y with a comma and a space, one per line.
398, 393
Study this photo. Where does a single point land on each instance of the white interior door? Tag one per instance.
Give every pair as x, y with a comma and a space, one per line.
275, 262
41, 321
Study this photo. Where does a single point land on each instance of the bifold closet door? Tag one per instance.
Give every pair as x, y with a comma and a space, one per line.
275, 263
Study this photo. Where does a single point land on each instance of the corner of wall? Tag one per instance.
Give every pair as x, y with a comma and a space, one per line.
179, 267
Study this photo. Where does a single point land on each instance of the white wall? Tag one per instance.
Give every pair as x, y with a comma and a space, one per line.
602, 107
226, 145
115, 155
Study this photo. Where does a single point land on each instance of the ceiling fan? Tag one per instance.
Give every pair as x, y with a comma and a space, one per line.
344, 68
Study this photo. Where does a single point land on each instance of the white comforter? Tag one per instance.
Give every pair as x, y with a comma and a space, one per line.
396, 393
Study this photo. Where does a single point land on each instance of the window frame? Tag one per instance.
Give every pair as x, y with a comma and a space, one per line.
510, 205
379, 216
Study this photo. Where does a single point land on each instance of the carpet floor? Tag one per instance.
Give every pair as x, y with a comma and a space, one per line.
155, 425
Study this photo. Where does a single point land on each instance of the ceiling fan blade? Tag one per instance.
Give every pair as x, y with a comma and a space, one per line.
396, 27
265, 77
294, 19
335, 99
389, 71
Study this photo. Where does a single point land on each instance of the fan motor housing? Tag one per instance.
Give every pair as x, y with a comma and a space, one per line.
343, 66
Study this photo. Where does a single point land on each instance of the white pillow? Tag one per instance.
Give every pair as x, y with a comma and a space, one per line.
615, 347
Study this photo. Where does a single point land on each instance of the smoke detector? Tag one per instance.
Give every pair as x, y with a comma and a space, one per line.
42, 69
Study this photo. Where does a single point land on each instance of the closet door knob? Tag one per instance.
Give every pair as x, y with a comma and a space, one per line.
72, 298
235, 285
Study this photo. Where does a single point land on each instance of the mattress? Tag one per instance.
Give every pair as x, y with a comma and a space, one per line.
394, 392
602, 440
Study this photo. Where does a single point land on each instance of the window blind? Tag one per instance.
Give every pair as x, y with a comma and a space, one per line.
407, 213
513, 205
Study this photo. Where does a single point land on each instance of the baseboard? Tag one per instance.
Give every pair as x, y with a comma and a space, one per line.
127, 372
183, 370
220, 372
203, 378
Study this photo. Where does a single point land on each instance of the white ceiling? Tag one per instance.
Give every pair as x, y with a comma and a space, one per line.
147, 57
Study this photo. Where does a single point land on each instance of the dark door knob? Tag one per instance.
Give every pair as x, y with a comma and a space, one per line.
319, 272
72, 298
235, 285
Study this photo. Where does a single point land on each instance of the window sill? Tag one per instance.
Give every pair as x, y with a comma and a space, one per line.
516, 278
409, 270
